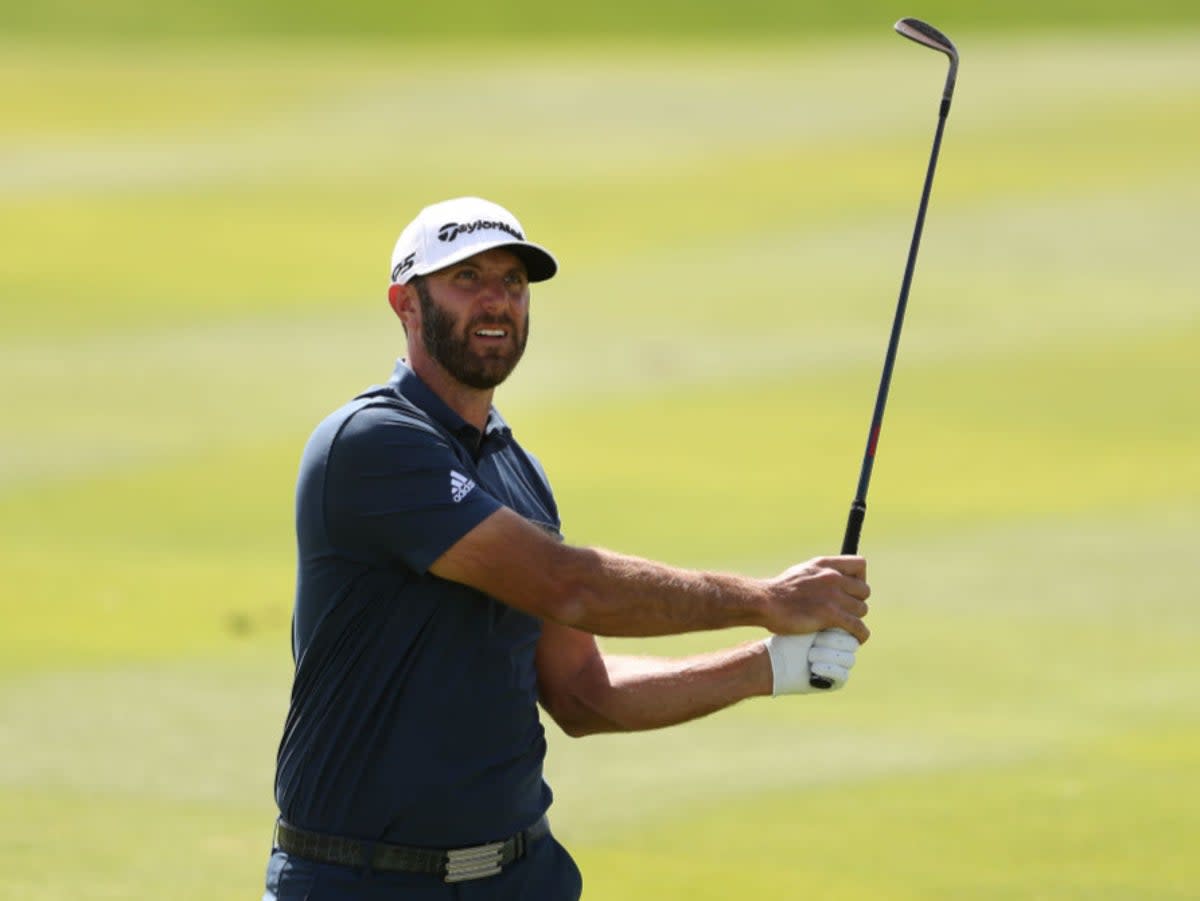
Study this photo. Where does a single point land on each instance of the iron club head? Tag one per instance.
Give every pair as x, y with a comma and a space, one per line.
924, 33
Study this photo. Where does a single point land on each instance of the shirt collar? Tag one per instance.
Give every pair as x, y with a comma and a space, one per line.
408, 384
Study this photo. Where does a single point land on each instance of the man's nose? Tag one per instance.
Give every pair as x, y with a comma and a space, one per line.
495, 292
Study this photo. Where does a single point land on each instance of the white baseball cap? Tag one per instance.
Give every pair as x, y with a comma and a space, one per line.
450, 231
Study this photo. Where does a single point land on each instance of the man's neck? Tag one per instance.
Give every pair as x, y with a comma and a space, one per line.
472, 404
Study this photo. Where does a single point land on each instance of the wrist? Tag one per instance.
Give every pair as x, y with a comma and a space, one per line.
757, 603
761, 673
788, 657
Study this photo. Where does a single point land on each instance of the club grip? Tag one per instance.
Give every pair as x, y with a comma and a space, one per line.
854, 524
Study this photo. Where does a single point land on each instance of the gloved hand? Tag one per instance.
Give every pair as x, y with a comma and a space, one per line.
795, 658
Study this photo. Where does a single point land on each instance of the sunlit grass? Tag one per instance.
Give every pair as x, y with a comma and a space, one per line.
196, 245
292, 177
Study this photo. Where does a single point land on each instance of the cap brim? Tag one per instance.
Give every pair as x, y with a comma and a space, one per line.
540, 264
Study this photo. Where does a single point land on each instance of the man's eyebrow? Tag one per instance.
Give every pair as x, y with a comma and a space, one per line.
517, 268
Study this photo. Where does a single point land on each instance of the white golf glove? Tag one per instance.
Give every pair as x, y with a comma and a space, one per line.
795, 658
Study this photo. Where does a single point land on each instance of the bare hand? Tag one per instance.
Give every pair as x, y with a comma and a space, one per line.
824, 593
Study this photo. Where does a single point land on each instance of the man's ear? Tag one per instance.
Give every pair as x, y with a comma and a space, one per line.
398, 299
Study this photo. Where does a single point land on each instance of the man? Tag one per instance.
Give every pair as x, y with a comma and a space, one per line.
437, 606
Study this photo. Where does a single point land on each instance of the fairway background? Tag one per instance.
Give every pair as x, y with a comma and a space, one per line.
197, 211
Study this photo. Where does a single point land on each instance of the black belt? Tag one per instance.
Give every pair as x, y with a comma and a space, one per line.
456, 865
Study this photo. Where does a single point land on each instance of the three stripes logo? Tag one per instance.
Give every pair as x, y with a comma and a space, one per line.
460, 486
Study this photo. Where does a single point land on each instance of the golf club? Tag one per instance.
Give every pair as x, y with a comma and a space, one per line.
922, 33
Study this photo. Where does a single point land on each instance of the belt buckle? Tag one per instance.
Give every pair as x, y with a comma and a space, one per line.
476, 862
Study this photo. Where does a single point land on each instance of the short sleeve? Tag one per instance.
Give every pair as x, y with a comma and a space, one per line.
395, 490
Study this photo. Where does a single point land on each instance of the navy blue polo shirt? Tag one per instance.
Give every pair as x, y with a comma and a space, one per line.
413, 714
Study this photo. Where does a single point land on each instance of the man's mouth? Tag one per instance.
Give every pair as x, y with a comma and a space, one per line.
491, 333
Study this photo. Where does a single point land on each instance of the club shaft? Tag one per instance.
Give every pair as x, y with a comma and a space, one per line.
858, 508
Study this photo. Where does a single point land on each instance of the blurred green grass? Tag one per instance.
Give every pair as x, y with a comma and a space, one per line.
289, 201
1051, 815
662, 20
197, 240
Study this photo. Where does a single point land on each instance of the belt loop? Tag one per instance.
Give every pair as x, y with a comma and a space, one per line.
368, 865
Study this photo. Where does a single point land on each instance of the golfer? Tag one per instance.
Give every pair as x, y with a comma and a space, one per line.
437, 606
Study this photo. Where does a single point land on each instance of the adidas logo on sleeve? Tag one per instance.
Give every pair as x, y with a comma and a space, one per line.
460, 486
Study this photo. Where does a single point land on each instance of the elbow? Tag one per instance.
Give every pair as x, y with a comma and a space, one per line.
565, 607
583, 704
565, 596
577, 720
576, 727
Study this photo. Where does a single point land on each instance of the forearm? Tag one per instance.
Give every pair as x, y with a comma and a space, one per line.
617, 693
613, 594
605, 593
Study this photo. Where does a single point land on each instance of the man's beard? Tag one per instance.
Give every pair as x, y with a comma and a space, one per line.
453, 352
